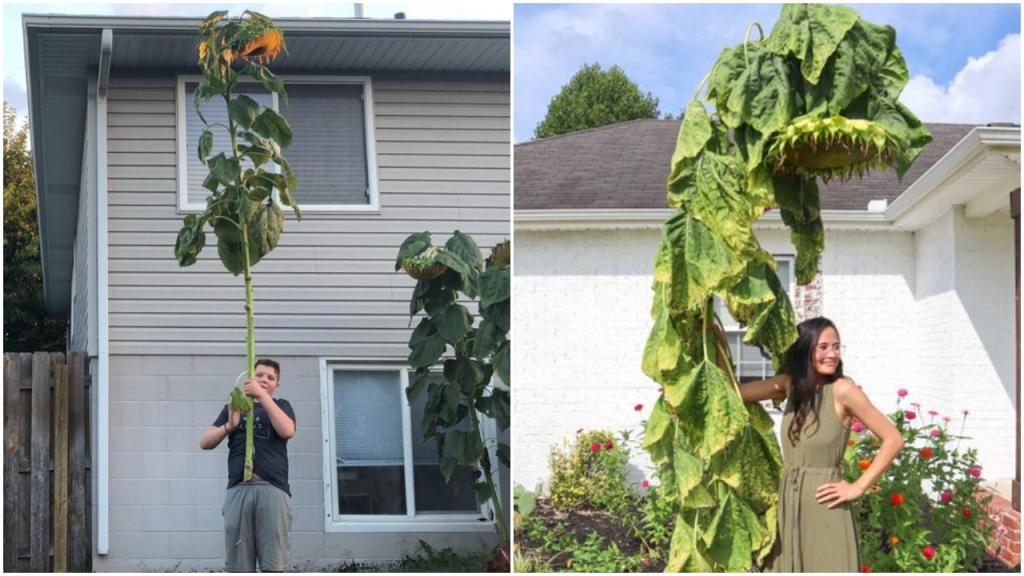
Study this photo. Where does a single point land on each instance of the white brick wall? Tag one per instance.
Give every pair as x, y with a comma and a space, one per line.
930, 312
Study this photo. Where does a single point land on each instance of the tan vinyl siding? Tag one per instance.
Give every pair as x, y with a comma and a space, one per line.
329, 289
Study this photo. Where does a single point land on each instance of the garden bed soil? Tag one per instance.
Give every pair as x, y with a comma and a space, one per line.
581, 523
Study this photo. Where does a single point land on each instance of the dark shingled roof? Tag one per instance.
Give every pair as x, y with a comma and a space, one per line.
623, 166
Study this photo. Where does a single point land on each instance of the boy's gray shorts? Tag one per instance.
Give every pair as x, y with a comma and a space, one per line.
257, 524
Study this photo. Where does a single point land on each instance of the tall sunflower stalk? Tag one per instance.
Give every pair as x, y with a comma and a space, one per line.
815, 99
242, 207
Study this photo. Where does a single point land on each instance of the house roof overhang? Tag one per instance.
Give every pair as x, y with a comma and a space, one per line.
978, 173
62, 52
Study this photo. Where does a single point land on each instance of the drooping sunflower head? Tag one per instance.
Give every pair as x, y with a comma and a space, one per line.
832, 147
222, 41
424, 266
501, 256
263, 48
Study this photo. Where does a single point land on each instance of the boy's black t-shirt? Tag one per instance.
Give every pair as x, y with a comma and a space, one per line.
271, 460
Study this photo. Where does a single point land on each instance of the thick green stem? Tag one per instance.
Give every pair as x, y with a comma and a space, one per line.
495, 497
250, 333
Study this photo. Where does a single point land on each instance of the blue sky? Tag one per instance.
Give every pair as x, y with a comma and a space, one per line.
13, 44
964, 60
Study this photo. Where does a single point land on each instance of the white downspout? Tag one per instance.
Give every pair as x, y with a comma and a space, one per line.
103, 351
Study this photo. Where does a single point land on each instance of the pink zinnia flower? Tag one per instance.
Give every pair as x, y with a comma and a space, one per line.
595, 447
975, 471
638, 407
645, 484
902, 392
946, 419
579, 431
909, 415
933, 413
916, 405
935, 432
858, 426
946, 496
966, 412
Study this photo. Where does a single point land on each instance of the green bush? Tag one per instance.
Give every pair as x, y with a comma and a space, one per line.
922, 514
591, 474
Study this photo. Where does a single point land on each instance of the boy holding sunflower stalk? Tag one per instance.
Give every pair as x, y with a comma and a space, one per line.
245, 216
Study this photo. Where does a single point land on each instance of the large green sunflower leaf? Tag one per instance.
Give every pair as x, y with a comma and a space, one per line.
711, 414
730, 536
693, 261
764, 98
770, 322
857, 63
694, 133
811, 32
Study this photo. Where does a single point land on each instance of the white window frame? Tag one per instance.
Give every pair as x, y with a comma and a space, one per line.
373, 207
410, 521
731, 330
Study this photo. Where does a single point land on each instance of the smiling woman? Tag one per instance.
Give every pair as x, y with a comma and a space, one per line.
816, 524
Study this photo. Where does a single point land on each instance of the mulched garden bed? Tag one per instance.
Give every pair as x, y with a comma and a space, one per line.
581, 523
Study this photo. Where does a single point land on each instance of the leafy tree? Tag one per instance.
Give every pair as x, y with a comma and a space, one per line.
594, 97
27, 327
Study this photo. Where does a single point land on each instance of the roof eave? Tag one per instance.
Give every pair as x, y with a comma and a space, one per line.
909, 209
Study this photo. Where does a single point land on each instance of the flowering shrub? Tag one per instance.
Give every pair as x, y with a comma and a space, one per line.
922, 514
591, 473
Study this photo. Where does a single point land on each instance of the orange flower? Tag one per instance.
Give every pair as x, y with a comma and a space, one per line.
850, 442
894, 540
864, 464
264, 47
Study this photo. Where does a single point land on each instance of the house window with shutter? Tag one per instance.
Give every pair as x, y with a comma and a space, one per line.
381, 475
332, 149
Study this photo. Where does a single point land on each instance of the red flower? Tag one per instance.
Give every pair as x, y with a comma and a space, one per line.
595, 446
926, 453
946, 496
609, 445
909, 415
645, 484
896, 499
638, 407
928, 552
865, 568
967, 512
975, 471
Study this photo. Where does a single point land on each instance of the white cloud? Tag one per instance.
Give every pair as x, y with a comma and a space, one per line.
986, 89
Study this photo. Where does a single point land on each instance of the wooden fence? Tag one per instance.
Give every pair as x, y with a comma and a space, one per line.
47, 484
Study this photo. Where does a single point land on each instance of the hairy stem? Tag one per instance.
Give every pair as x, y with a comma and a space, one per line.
488, 472
250, 333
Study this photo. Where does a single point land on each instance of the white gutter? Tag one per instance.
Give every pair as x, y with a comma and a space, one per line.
653, 218
966, 151
102, 289
364, 26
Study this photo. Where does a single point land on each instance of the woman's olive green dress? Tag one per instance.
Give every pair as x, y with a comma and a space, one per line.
812, 537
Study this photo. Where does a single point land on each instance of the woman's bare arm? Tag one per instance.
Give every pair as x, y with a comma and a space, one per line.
776, 387
856, 403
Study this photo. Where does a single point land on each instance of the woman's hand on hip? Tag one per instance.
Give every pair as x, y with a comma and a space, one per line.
833, 494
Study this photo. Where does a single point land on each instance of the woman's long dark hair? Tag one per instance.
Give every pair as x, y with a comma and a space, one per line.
803, 396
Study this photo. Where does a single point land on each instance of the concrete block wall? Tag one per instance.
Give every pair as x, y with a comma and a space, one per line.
166, 494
